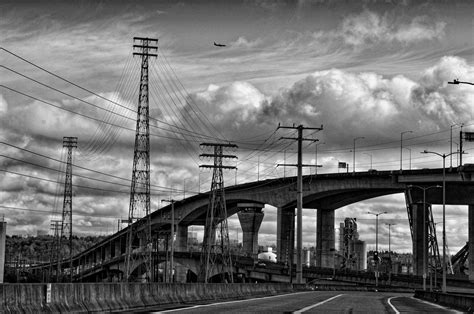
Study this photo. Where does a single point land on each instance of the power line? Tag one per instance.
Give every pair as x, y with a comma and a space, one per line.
80, 167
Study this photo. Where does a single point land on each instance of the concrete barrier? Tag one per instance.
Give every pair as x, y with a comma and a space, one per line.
462, 302
100, 297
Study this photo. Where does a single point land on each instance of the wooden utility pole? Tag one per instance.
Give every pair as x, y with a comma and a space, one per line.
299, 194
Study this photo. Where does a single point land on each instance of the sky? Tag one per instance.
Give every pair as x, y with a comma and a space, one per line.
371, 69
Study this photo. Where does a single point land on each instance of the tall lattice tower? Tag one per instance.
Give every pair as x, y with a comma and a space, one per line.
215, 256
139, 242
66, 229
55, 256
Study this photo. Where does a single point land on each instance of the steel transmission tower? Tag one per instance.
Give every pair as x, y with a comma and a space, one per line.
55, 256
139, 224
215, 256
66, 228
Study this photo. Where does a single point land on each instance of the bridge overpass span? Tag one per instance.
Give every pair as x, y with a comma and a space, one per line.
324, 193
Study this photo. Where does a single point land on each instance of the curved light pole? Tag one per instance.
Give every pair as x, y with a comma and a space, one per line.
401, 146
444, 212
370, 155
377, 244
389, 252
459, 82
424, 226
316, 157
354, 153
451, 141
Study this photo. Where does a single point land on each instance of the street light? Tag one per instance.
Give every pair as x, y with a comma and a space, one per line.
377, 244
401, 146
444, 212
370, 155
424, 227
389, 251
316, 157
354, 153
451, 142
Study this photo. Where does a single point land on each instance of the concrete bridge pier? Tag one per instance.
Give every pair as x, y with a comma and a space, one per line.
181, 243
285, 234
420, 236
471, 241
250, 217
325, 238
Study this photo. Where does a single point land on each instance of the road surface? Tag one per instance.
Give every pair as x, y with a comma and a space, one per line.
322, 302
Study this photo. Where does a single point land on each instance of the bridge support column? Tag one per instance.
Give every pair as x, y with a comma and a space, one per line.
325, 238
181, 244
180, 273
420, 236
285, 234
471, 242
250, 218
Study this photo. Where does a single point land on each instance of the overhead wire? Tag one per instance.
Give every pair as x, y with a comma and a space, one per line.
85, 168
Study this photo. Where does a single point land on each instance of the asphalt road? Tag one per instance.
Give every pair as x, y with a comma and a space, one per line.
322, 302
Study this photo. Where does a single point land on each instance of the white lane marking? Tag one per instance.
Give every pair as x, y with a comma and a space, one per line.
230, 302
317, 304
436, 305
391, 305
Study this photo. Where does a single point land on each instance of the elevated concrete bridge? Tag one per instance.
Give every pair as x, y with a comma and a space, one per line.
324, 193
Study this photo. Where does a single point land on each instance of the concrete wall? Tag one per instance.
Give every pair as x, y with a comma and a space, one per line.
458, 301
90, 297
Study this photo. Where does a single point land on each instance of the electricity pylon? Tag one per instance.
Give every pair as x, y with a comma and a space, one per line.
139, 242
66, 228
55, 256
215, 255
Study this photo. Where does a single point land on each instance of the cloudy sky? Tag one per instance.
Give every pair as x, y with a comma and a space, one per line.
372, 69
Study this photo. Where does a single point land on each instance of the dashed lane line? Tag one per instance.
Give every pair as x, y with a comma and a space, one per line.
317, 304
228, 302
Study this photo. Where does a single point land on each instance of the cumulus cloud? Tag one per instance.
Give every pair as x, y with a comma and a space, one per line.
348, 102
233, 108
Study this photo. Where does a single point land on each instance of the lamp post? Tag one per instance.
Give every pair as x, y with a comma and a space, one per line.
316, 157
444, 213
354, 153
377, 244
389, 251
370, 155
424, 227
401, 146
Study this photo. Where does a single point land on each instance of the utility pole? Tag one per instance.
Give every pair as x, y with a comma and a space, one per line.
216, 215
299, 194
66, 228
139, 223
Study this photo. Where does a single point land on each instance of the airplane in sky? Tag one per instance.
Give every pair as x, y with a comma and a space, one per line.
219, 45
